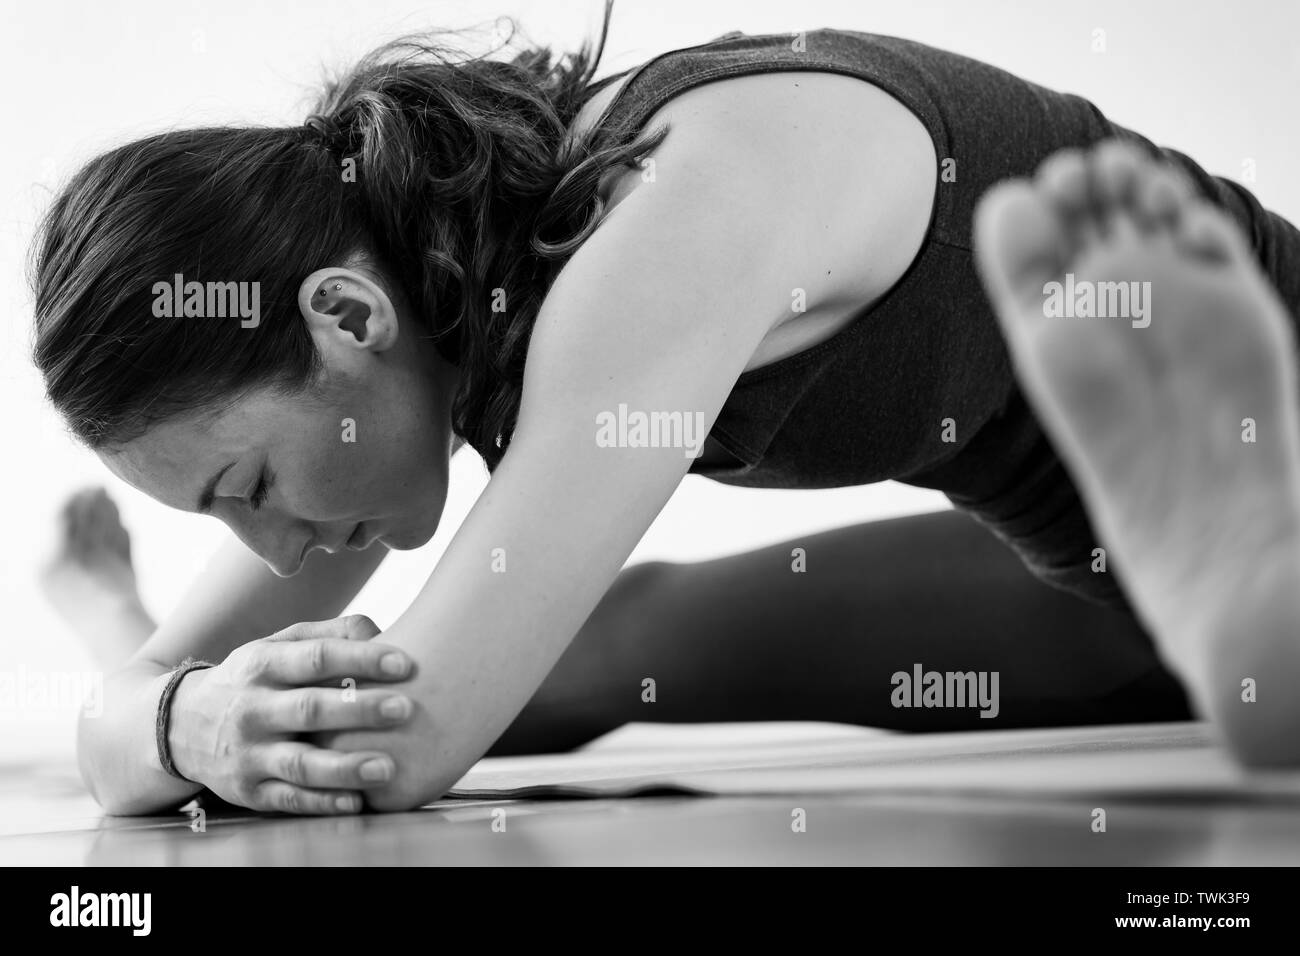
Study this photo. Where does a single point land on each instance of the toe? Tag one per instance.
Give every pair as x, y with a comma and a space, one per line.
1115, 167
1063, 179
73, 515
1206, 231
1020, 246
86, 518
76, 503
103, 514
1162, 194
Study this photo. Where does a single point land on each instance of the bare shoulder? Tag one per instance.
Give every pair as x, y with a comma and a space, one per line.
839, 161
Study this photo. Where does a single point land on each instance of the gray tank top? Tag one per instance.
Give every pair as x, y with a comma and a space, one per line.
918, 387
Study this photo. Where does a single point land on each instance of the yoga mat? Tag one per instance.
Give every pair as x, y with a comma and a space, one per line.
1141, 761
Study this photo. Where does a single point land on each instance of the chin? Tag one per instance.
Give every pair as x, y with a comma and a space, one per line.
408, 539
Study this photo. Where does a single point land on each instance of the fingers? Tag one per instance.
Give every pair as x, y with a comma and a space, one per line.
277, 796
314, 768
354, 627
307, 709
331, 659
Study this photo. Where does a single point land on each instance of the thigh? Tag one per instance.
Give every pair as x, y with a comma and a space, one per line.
1040, 517
758, 637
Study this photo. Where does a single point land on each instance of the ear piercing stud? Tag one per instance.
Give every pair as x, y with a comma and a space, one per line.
338, 287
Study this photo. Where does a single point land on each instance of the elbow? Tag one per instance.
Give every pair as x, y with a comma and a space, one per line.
425, 773
116, 806
118, 802
110, 801
419, 779
407, 793
429, 755
88, 765
94, 760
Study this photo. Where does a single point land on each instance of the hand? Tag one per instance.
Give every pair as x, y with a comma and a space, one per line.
234, 727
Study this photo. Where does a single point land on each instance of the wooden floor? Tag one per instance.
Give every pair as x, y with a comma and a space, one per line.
46, 818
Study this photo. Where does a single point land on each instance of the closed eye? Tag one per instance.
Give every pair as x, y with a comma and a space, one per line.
262, 491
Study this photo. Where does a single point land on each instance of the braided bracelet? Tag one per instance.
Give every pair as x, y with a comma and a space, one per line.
164, 713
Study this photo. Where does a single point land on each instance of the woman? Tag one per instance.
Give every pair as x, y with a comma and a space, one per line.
768, 236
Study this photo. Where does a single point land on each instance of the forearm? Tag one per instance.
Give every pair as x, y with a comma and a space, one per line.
483, 642
236, 600
465, 695
117, 749
564, 508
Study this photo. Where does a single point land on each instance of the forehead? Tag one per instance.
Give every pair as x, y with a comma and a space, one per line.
173, 460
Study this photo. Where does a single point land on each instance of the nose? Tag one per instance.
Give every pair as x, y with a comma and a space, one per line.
281, 544
284, 564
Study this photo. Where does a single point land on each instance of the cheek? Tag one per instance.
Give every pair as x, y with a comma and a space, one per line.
377, 459
402, 456
325, 477
369, 471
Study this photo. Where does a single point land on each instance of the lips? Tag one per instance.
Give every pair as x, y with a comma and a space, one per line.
334, 548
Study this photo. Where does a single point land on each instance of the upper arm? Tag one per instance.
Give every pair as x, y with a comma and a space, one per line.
767, 186
659, 311
840, 175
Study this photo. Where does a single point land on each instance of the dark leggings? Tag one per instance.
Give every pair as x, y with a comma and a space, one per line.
747, 638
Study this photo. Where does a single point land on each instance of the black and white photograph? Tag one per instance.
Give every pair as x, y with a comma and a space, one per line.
653, 433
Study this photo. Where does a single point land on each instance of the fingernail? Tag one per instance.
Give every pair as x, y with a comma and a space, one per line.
394, 664
376, 770
347, 804
398, 708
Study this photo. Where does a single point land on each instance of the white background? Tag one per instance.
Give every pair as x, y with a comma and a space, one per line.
1218, 81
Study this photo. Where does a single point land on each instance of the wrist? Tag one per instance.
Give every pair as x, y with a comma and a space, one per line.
186, 739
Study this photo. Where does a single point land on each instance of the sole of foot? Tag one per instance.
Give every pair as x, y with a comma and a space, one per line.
1172, 400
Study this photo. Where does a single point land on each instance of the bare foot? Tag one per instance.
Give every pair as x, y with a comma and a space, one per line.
1179, 426
91, 582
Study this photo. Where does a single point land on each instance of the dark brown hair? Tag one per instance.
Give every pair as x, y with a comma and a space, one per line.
467, 192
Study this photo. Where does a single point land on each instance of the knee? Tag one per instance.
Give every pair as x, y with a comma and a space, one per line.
627, 607
639, 581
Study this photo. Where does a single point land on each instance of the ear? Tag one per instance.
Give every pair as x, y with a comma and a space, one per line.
347, 312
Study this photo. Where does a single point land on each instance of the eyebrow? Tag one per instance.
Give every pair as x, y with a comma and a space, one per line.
210, 490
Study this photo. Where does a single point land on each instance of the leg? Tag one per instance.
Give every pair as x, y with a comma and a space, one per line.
746, 638
1182, 436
